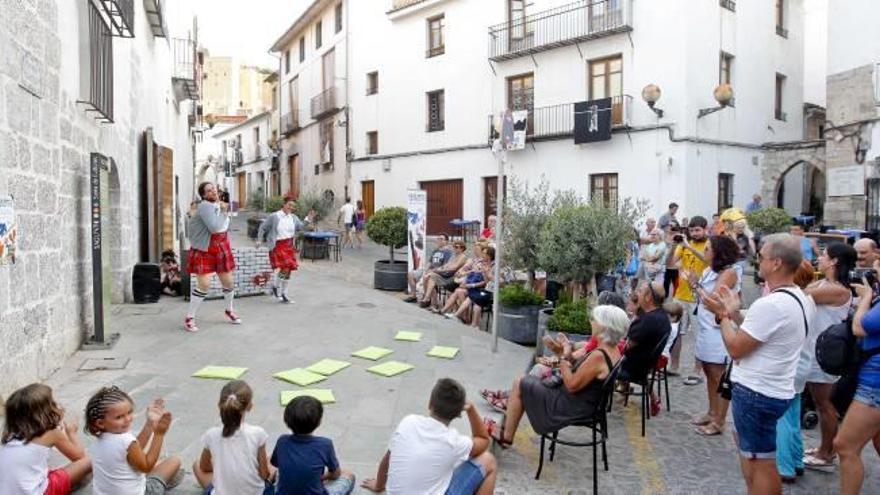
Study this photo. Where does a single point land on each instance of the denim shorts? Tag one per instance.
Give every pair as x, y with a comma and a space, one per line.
466, 479
754, 418
342, 485
868, 395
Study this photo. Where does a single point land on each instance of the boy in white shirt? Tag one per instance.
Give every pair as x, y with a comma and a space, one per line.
427, 456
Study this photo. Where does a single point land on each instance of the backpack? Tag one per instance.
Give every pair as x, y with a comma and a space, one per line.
838, 350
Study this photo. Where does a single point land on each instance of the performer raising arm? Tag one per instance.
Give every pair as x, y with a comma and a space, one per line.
209, 253
278, 232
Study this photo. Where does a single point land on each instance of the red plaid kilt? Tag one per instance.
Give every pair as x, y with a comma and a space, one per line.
217, 259
283, 256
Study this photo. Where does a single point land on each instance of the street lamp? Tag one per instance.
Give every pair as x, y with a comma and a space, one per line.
723, 95
651, 94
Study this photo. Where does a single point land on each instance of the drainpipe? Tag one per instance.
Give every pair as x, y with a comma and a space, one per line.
347, 6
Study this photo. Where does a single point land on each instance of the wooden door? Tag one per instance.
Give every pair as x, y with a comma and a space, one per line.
166, 198
242, 190
490, 197
368, 196
293, 174
444, 204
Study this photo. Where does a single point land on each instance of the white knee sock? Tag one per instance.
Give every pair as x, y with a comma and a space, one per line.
228, 295
196, 297
285, 282
275, 278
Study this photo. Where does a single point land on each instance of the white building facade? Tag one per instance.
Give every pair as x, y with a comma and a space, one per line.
246, 155
426, 75
313, 89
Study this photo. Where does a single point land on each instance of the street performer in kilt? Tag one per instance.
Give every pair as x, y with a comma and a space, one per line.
210, 253
278, 233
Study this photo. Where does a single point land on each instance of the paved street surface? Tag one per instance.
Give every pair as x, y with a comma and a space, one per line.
337, 312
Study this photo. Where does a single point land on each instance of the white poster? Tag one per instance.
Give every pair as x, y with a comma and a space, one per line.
846, 181
416, 227
511, 126
8, 230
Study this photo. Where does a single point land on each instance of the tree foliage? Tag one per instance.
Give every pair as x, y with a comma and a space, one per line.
388, 228
769, 221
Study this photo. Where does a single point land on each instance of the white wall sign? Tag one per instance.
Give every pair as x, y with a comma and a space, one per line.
8, 230
846, 181
416, 227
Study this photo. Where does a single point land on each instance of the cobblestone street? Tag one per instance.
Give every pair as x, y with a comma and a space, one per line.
337, 312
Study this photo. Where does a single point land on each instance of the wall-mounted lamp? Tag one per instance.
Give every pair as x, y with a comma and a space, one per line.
723, 95
651, 94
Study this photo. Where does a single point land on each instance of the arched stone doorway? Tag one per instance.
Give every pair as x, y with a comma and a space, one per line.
806, 159
800, 190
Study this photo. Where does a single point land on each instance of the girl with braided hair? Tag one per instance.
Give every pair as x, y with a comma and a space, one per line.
125, 464
234, 456
34, 425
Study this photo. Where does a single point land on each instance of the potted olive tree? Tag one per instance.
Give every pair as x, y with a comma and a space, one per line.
388, 228
571, 318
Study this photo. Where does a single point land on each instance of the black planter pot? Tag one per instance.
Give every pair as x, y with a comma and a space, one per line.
519, 325
253, 226
389, 275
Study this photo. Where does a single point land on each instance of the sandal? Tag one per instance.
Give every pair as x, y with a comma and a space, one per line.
811, 461
701, 421
494, 433
708, 430
499, 404
693, 380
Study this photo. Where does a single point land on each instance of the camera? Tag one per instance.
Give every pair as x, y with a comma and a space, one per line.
678, 238
869, 274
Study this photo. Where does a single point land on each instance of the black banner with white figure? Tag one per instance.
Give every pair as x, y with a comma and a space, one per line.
592, 121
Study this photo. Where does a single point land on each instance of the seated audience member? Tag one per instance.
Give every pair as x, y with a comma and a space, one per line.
170, 273
444, 275
553, 403
488, 234
307, 463
480, 294
426, 455
473, 276
416, 278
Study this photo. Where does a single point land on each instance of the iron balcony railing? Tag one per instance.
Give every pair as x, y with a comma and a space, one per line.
185, 72
290, 123
728, 4
324, 103
120, 16
561, 26
557, 121
155, 17
99, 96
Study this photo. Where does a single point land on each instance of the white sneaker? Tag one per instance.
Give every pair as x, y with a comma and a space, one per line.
189, 324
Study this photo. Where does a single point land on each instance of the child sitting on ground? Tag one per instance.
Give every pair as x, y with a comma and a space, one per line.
306, 463
170, 273
234, 459
125, 464
34, 425
426, 455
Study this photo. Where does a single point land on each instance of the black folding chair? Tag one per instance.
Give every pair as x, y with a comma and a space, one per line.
661, 377
645, 382
598, 425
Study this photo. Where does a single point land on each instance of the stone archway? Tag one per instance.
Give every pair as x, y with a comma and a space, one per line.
801, 189
777, 162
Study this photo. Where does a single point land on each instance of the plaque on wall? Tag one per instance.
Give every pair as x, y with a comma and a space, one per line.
846, 181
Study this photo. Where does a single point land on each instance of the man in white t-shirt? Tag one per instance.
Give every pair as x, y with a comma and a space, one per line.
765, 347
347, 215
427, 456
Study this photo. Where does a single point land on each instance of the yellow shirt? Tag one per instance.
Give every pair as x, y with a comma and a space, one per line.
691, 263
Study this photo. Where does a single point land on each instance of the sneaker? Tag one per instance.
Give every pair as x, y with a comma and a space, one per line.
449, 316
233, 318
189, 324
285, 300
275, 292
811, 461
410, 299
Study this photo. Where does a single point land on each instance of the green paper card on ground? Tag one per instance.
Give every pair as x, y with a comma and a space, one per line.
327, 367
220, 372
325, 395
408, 336
390, 368
443, 352
299, 376
372, 353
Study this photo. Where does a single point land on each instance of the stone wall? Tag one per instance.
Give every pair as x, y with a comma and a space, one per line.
777, 162
850, 99
252, 273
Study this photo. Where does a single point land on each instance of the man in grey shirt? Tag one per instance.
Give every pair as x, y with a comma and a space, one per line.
668, 217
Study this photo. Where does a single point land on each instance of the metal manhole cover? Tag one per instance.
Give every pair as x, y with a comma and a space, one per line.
97, 364
366, 305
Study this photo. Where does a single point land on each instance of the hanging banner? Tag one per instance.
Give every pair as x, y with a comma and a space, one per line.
416, 227
511, 126
8, 230
592, 121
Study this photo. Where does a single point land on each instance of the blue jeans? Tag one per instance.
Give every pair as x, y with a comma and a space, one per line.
789, 444
466, 479
754, 417
868, 395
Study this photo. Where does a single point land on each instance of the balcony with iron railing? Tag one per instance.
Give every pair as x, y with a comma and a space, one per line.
290, 123
120, 16
728, 4
324, 103
566, 25
557, 121
185, 70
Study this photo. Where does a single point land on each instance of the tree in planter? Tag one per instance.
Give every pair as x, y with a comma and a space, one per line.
577, 242
274, 204
769, 221
517, 295
525, 213
314, 200
388, 228
571, 317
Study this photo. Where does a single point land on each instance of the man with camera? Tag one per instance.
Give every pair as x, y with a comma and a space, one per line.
689, 258
765, 347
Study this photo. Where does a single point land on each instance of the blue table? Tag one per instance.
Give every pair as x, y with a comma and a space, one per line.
318, 244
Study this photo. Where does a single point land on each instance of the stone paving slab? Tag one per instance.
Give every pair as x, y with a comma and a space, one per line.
337, 312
